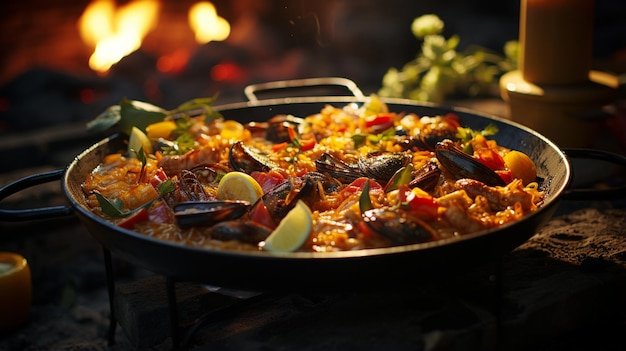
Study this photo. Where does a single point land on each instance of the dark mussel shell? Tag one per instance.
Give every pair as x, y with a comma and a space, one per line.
444, 128
458, 165
278, 128
247, 232
338, 169
398, 226
426, 177
382, 166
284, 196
207, 213
245, 159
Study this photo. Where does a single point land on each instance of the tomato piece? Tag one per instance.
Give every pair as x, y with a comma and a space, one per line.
379, 123
418, 202
307, 144
267, 180
278, 147
490, 158
139, 216
158, 178
161, 213
357, 186
506, 175
260, 214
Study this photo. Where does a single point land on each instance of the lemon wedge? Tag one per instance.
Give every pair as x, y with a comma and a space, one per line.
137, 140
292, 232
239, 186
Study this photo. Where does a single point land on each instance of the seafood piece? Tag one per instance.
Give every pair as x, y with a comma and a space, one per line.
283, 197
247, 232
382, 166
458, 165
245, 159
436, 130
175, 164
378, 166
187, 187
426, 177
399, 226
338, 169
276, 129
498, 198
208, 213
208, 174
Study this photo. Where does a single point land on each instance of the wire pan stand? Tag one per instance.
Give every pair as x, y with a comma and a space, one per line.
181, 342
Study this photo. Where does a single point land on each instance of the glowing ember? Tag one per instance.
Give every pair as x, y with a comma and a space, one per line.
116, 32
206, 24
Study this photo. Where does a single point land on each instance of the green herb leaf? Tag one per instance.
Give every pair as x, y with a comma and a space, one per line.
401, 177
105, 120
359, 139
112, 208
165, 187
138, 114
365, 203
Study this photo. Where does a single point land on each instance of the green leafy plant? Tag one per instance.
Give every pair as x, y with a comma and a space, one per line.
440, 70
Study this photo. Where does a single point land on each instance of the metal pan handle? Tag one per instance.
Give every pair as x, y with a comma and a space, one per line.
612, 193
34, 213
252, 90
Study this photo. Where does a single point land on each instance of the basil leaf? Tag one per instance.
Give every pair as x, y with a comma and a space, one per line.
138, 114
165, 187
112, 208
365, 203
105, 120
401, 177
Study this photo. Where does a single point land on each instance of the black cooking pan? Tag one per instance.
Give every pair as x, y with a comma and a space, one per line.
364, 269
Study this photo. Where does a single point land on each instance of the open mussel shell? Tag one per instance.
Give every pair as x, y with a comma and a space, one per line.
398, 226
382, 166
460, 165
246, 159
207, 213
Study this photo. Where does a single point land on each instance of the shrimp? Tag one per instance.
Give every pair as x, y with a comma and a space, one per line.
175, 164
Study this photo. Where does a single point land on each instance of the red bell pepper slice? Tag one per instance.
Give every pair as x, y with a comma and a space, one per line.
138, 216
378, 123
418, 202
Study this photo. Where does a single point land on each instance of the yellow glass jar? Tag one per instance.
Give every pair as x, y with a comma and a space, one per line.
15, 291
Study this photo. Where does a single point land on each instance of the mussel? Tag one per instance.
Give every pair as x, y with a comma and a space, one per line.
283, 197
338, 169
380, 166
439, 128
398, 226
458, 165
426, 177
247, 232
246, 159
207, 213
208, 174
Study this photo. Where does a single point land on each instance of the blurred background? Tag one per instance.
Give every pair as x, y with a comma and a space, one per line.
46, 80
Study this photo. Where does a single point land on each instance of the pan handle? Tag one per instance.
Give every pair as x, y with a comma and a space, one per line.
612, 193
251, 90
34, 213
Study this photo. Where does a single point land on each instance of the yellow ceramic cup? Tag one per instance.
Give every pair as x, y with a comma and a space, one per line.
15, 291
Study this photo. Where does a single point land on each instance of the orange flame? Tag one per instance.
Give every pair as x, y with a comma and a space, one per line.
116, 32
206, 24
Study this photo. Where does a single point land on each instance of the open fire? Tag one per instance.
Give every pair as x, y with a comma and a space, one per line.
116, 31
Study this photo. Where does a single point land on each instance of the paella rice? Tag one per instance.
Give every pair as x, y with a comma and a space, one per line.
371, 177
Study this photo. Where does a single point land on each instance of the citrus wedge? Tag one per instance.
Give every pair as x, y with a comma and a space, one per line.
292, 232
239, 186
137, 140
